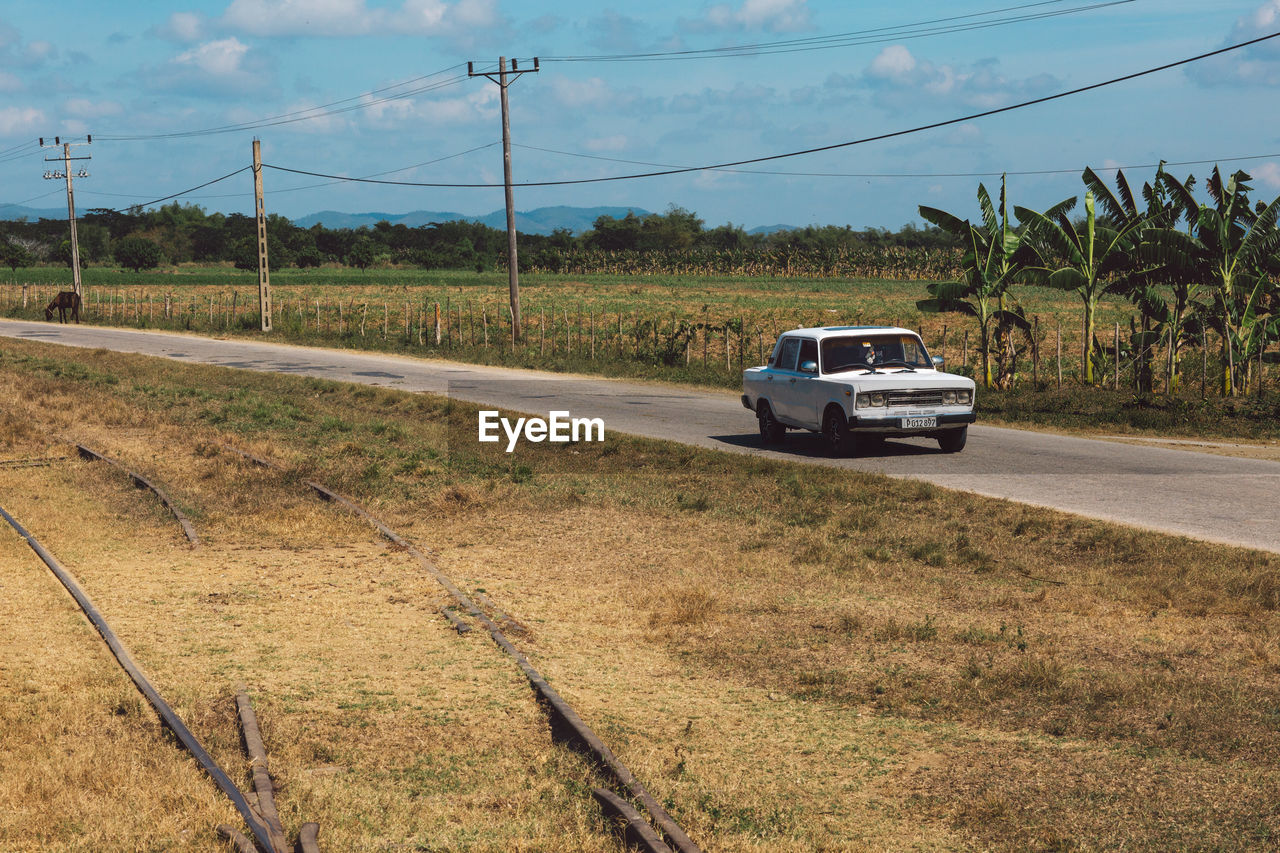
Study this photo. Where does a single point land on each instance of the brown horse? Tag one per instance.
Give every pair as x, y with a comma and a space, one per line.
64, 300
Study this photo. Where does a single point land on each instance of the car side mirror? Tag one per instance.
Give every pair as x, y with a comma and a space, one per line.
938, 362
809, 367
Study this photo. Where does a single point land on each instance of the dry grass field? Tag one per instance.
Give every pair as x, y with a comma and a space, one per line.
791, 659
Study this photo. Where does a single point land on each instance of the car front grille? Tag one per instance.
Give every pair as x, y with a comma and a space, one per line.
915, 398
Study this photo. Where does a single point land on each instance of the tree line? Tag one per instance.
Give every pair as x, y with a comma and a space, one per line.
140, 239
1188, 268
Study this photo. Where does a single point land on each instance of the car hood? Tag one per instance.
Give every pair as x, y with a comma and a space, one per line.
897, 378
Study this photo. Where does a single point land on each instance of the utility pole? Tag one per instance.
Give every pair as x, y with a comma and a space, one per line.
264, 272
71, 197
505, 79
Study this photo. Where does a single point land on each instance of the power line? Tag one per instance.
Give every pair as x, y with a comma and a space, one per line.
20, 145
1025, 172
28, 201
322, 111
35, 150
307, 186
832, 147
192, 189
876, 35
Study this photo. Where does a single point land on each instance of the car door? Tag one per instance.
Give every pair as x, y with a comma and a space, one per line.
782, 391
809, 394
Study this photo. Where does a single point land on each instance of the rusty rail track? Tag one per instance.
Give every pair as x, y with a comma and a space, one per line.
167, 715
143, 483
32, 463
566, 725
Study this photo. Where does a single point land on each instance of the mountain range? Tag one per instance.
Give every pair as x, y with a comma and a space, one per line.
542, 220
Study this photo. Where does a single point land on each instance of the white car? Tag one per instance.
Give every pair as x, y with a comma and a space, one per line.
857, 385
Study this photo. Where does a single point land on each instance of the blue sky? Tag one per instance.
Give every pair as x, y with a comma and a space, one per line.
152, 69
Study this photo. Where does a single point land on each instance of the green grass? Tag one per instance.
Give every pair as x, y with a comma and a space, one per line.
673, 328
792, 657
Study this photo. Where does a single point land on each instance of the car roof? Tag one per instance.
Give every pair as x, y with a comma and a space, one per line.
832, 331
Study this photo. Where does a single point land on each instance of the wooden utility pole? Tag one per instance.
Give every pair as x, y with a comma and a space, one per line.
71, 198
264, 272
504, 79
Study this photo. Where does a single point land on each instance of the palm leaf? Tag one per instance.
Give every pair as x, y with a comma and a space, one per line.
947, 222
1114, 207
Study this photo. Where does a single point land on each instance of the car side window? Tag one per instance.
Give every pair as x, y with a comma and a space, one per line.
787, 355
808, 352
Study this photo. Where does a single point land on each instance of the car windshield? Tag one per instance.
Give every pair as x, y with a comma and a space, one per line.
871, 351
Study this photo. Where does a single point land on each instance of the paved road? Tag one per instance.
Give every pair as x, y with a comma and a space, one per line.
1205, 496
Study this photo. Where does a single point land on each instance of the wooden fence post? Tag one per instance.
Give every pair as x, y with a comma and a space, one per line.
437, 311
1116, 382
1059, 356
1262, 347
1204, 363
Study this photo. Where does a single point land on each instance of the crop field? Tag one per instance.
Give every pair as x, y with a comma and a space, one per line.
789, 658
698, 329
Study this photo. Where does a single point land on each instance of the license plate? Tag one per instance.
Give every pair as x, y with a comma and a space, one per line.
919, 423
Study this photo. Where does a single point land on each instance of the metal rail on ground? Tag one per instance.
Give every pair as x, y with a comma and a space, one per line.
143, 483
167, 715
566, 725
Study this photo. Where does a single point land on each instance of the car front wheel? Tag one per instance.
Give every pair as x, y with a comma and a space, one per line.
835, 432
953, 440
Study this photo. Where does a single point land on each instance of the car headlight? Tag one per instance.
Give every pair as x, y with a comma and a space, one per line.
948, 398
872, 399
964, 398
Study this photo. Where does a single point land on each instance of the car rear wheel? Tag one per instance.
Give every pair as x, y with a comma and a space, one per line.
835, 432
953, 440
771, 430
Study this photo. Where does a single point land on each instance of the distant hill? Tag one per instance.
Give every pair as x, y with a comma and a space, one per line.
542, 220
32, 214
771, 229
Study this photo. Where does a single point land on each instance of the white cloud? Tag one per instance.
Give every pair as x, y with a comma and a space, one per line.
225, 66
895, 61
592, 91
297, 17
898, 78
617, 142
184, 27
89, 109
1269, 174
14, 54
40, 51
21, 120
1255, 65
460, 18
217, 58
480, 104
779, 16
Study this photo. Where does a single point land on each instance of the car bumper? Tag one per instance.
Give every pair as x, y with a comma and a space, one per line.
746, 403
892, 424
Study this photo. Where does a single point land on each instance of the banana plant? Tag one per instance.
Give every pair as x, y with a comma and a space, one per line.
1168, 201
995, 258
1232, 247
1086, 258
